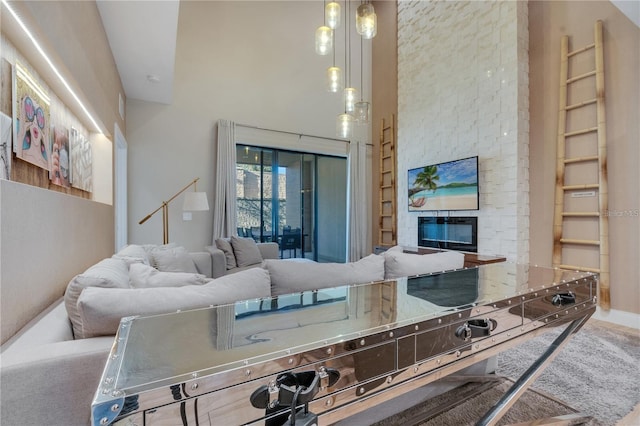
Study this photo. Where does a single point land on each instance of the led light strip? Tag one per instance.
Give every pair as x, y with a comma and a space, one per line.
51, 65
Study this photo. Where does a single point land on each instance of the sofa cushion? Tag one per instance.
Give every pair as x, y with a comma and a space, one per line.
144, 276
224, 244
290, 276
398, 264
101, 309
246, 251
133, 253
108, 273
172, 258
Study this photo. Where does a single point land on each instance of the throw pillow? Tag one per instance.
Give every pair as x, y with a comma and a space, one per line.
172, 259
133, 253
398, 264
290, 277
224, 244
101, 309
246, 251
109, 273
144, 276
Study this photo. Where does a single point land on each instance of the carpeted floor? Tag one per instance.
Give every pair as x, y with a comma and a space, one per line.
597, 373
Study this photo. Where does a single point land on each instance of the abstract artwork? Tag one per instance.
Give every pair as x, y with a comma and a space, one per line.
31, 105
60, 173
81, 161
5, 146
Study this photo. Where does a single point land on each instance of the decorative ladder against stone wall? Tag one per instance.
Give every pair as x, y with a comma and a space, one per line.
387, 234
597, 156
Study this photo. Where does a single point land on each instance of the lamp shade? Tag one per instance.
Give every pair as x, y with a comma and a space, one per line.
344, 125
324, 40
366, 21
195, 201
332, 15
334, 79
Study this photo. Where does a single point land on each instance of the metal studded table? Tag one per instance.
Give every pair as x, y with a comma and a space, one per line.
329, 354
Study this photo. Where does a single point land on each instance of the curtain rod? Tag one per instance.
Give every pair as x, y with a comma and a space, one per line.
296, 134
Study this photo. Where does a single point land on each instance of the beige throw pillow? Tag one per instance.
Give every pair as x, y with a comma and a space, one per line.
246, 251
224, 244
290, 276
172, 259
101, 309
398, 264
145, 276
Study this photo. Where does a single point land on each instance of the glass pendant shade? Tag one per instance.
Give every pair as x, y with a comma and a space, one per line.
334, 79
350, 96
361, 112
332, 15
366, 21
344, 125
324, 40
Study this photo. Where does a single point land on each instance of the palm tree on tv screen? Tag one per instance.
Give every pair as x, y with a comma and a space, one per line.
425, 180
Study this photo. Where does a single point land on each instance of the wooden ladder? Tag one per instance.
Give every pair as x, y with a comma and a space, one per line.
578, 153
387, 210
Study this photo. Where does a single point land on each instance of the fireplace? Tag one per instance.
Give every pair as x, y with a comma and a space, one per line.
452, 233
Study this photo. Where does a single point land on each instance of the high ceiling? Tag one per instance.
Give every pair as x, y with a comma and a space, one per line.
142, 35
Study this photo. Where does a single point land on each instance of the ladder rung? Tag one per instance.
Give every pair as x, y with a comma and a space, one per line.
384, 157
386, 186
580, 242
386, 230
580, 214
581, 104
581, 159
581, 132
579, 187
584, 49
579, 268
581, 76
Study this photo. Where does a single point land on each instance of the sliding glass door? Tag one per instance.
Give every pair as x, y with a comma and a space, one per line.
295, 199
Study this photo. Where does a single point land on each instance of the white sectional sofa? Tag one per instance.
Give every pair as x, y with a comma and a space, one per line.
51, 368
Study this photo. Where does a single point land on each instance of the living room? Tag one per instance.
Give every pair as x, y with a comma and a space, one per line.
243, 80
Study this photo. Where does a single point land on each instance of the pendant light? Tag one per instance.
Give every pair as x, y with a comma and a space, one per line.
324, 40
362, 109
366, 21
334, 79
344, 125
350, 94
332, 15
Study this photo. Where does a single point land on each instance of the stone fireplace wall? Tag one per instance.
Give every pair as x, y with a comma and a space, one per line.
463, 91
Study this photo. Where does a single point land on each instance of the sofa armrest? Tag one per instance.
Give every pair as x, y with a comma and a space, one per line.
203, 262
218, 261
58, 380
269, 250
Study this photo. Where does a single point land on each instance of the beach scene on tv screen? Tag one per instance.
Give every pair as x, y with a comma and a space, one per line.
446, 186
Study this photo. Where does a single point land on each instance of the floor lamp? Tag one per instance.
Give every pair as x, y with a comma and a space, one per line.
193, 201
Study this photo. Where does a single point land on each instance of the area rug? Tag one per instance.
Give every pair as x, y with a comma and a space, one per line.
466, 404
597, 372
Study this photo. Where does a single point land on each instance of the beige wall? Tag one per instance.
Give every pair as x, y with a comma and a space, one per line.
548, 22
251, 62
384, 71
46, 237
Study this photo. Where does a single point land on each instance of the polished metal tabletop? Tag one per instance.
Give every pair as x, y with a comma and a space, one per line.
163, 349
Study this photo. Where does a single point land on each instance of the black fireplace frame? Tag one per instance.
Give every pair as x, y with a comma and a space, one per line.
446, 226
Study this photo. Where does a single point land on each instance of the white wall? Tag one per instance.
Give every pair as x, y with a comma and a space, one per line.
250, 62
462, 91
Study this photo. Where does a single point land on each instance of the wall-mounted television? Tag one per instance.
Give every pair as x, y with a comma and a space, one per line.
452, 185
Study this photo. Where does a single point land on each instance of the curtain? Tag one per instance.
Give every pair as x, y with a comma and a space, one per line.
224, 197
359, 212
